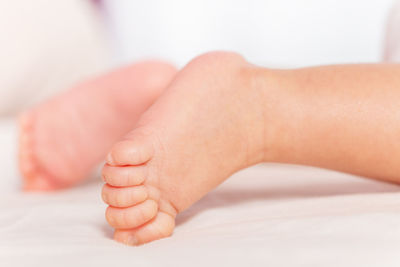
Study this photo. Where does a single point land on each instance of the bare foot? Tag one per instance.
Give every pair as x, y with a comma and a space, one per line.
63, 139
207, 125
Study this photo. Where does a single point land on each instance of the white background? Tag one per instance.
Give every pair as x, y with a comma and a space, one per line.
268, 32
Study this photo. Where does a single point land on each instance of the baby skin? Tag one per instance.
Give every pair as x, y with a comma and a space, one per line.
221, 114
64, 138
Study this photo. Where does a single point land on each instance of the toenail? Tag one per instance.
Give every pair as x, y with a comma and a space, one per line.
110, 159
131, 241
104, 196
110, 219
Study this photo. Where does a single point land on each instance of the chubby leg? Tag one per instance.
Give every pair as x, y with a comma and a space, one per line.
342, 117
62, 139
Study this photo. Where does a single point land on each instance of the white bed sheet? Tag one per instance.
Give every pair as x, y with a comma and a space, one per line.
268, 215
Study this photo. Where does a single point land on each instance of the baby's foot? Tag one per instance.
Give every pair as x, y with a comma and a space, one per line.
207, 125
63, 139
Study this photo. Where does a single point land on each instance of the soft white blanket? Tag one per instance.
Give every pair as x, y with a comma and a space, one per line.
268, 215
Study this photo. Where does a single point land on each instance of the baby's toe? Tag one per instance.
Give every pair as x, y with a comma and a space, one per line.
127, 218
33, 177
123, 197
130, 152
26, 154
160, 227
124, 176
26, 163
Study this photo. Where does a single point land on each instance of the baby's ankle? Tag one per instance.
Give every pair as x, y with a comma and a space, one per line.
271, 85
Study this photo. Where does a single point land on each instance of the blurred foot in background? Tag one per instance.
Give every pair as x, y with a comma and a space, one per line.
64, 138
46, 47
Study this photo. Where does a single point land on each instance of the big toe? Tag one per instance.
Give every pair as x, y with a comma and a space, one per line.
160, 227
130, 152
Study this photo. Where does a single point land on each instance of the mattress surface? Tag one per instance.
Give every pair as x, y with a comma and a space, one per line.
269, 215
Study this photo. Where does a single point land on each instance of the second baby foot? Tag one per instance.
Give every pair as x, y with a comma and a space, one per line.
206, 126
62, 139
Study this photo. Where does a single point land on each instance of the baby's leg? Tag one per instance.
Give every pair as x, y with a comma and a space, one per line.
63, 139
342, 117
221, 114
